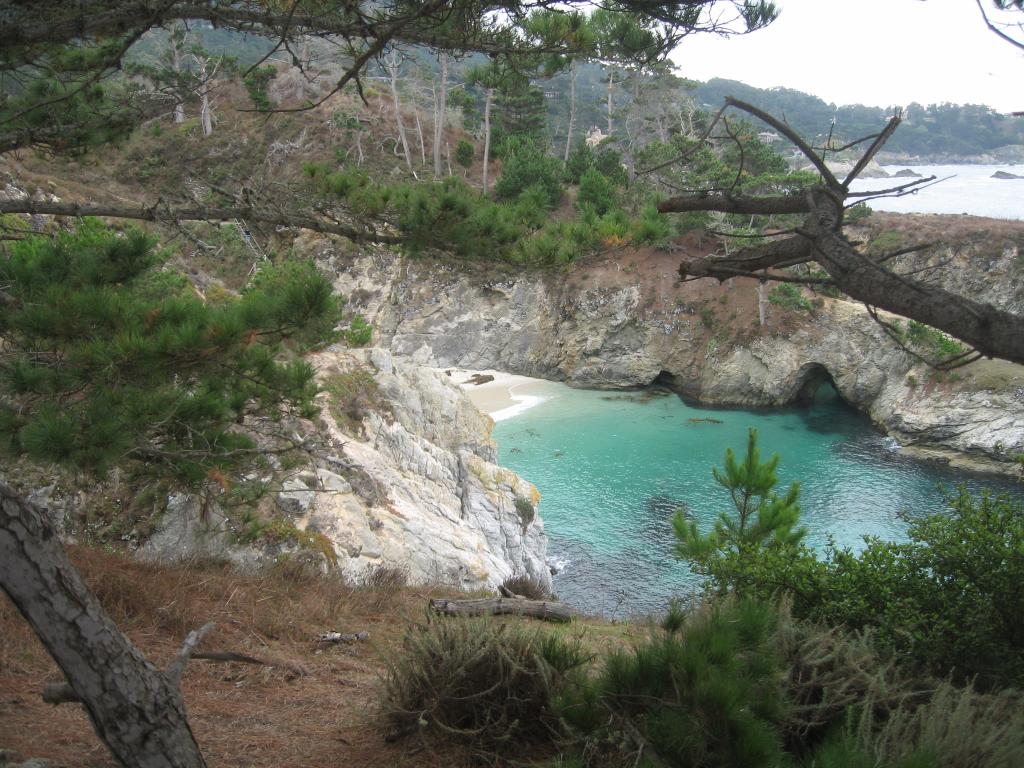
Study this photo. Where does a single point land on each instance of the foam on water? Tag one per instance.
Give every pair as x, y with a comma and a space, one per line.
613, 468
523, 403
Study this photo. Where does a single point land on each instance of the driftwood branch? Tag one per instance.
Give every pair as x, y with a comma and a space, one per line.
177, 666
505, 606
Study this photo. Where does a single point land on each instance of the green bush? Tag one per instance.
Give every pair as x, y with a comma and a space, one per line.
581, 160
933, 341
857, 213
464, 153
108, 358
609, 162
706, 693
352, 395
947, 601
525, 167
596, 192
651, 227
789, 296
886, 242
359, 332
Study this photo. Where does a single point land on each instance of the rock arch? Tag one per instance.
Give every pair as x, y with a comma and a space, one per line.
808, 380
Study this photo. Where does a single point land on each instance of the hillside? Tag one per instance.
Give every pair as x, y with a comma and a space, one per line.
937, 132
316, 707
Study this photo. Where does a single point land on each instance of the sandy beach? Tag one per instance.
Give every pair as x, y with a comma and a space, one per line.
504, 395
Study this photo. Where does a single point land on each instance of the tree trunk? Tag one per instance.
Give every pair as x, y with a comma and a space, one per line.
572, 111
501, 606
762, 302
205, 107
206, 114
391, 65
439, 115
136, 710
175, 48
611, 85
419, 136
487, 133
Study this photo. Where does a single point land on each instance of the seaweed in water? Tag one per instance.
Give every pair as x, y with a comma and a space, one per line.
707, 420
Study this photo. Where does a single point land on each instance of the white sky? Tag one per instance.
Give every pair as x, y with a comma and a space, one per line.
874, 52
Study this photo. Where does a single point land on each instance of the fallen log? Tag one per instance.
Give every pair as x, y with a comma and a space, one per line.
501, 606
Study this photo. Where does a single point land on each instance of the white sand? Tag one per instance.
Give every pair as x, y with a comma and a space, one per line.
507, 395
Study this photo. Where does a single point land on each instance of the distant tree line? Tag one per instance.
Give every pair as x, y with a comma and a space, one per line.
936, 129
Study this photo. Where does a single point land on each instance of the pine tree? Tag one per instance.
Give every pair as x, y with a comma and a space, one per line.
108, 358
761, 522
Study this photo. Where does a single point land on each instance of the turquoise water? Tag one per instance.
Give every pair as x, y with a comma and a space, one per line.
612, 468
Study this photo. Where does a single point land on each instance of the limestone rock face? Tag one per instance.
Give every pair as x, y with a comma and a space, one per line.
187, 531
421, 490
411, 486
611, 325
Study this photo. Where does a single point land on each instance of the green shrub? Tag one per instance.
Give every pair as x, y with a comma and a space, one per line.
857, 213
352, 395
886, 242
532, 207
609, 162
581, 159
464, 152
526, 510
107, 359
256, 84
948, 600
596, 192
933, 341
478, 681
651, 228
359, 332
706, 694
526, 166
789, 296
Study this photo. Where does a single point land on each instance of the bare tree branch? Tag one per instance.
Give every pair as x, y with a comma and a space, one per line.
727, 203
160, 212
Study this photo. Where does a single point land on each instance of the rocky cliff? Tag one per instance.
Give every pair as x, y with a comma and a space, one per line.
396, 477
626, 321
422, 489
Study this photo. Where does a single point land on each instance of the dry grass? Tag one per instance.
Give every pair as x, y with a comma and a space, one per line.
242, 715
527, 587
482, 682
245, 715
